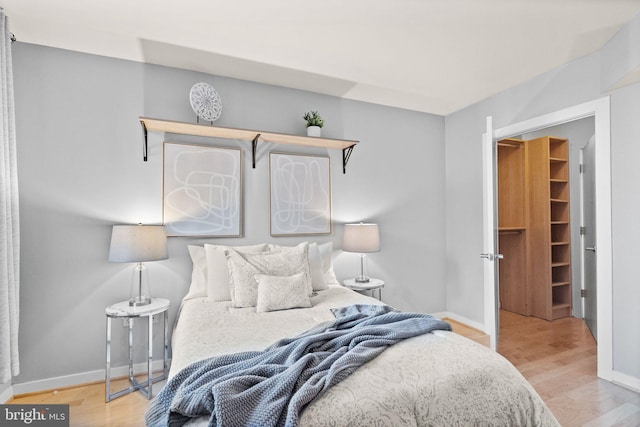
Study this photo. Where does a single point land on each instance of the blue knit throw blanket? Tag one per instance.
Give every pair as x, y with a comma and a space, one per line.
271, 387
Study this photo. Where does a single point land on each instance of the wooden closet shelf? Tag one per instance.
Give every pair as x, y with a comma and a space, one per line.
558, 201
561, 181
559, 222
556, 159
510, 143
560, 264
511, 229
169, 126
556, 284
558, 306
559, 243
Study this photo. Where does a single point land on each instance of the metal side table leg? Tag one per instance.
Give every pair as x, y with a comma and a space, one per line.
131, 377
150, 359
107, 385
165, 368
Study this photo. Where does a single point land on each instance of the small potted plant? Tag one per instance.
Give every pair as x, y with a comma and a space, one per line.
314, 123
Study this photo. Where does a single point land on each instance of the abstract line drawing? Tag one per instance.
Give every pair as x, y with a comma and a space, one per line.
202, 190
300, 194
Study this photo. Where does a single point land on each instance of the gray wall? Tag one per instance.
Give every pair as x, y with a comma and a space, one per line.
575, 83
417, 175
3, 388
81, 171
625, 152
572, 84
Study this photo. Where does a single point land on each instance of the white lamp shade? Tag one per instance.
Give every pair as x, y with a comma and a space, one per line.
361, 238
138, 243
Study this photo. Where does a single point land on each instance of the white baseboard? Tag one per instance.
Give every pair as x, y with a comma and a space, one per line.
626, 381
460, 319
80, 378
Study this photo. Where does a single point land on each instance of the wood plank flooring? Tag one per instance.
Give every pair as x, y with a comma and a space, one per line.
558, 358
469, 332
87, 407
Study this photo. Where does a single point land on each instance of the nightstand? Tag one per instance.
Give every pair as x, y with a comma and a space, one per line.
123, 310
372, 285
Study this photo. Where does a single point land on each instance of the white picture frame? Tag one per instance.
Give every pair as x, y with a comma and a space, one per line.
300, 190
202, 190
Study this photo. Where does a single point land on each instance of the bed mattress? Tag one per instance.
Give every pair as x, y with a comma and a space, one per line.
439, 378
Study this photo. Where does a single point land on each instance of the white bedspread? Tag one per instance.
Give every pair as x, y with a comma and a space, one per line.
439, 379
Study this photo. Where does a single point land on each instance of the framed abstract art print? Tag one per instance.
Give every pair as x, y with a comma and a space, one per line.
300, 194
202, 190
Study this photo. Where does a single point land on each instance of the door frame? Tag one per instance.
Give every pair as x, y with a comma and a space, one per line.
600, 110
489, 238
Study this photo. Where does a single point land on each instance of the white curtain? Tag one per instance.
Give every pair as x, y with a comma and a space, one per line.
9, 220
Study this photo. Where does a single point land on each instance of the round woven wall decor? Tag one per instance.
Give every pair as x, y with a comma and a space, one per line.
205, 101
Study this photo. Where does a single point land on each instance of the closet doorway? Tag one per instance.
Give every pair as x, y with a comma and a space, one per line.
599, 110
543, 190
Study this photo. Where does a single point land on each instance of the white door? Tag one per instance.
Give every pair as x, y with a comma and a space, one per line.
589, 247
600, 109
490, 253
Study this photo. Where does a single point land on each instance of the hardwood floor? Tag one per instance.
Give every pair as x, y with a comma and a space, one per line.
469, 332
87, 407
558, 358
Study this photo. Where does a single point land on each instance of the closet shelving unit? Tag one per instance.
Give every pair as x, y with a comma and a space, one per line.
255, 136
534, 227
560, 230
550, 267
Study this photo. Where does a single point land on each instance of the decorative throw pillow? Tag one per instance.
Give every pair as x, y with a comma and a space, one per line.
281, 292
198, 287
218, 281
295, 252
277, 262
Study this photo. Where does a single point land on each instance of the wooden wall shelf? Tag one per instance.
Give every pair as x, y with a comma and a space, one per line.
169, 126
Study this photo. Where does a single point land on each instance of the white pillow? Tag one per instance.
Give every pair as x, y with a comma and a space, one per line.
315, 267
218, 282
326, 252
198, 287
281, 292
284, 261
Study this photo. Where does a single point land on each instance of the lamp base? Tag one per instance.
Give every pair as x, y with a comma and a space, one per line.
139, 301
140, 293
362, 279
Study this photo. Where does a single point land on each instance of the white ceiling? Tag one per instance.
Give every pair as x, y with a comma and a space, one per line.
436, 56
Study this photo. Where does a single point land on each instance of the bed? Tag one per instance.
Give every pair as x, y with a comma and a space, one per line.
435, 379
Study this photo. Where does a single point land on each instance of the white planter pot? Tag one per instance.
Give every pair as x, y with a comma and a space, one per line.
313, 130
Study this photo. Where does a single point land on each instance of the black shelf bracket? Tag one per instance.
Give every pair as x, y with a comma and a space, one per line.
145, 143
346, 155
254, 148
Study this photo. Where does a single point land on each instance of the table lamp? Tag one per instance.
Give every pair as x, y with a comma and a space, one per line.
139, 244
361, 238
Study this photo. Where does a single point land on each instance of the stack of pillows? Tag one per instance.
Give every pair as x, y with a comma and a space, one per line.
266, 276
